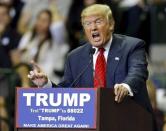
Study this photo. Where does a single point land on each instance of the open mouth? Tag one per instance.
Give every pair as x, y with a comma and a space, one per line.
96, 36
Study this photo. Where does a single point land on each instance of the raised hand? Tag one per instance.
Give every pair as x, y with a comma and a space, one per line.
37, 76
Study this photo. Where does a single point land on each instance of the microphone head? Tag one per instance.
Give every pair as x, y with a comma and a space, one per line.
92, 51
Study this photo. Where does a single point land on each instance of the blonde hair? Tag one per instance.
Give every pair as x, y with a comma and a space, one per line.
98, 9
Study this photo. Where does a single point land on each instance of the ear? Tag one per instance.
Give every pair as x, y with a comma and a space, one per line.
112, 24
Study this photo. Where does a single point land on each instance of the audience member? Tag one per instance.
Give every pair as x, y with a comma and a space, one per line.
9, 38
39, 45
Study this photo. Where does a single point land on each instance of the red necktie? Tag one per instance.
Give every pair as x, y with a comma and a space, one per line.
100, 70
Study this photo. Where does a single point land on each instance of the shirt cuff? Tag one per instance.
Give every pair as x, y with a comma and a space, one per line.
48, 85
128, 88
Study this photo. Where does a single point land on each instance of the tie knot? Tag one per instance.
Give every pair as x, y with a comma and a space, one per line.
101, 50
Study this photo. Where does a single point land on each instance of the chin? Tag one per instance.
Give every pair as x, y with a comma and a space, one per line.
97, 44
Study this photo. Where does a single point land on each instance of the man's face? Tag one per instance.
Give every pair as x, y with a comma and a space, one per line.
98, 30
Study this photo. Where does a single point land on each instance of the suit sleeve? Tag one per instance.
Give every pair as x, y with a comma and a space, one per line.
137, 67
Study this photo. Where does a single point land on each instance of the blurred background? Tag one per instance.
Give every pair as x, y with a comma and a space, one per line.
46, 30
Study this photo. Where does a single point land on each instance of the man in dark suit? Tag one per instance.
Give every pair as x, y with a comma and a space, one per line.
107, 60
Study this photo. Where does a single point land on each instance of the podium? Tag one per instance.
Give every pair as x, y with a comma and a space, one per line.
112, 116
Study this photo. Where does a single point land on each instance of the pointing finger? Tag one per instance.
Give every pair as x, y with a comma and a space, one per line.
35, 66
31, 73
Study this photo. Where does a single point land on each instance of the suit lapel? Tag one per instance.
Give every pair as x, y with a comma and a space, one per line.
113, 59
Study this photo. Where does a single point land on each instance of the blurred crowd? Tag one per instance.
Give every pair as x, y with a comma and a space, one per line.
46, 30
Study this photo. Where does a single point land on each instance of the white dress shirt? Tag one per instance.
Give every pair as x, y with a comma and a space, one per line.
106, 47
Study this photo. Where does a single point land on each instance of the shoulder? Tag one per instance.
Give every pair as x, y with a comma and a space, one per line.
27, 36
80, 51
25, 40
128, 41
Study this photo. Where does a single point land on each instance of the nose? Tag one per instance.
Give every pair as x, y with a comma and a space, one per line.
93, 26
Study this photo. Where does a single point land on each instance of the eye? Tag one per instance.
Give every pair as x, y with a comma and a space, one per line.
87, 23
99, 21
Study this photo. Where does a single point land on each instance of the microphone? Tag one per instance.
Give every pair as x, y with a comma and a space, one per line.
91, 52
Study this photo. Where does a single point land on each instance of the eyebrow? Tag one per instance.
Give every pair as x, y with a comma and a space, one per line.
94, 19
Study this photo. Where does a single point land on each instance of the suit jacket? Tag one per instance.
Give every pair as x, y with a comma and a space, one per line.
126, 63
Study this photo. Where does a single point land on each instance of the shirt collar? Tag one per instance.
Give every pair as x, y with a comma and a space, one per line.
106, 47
